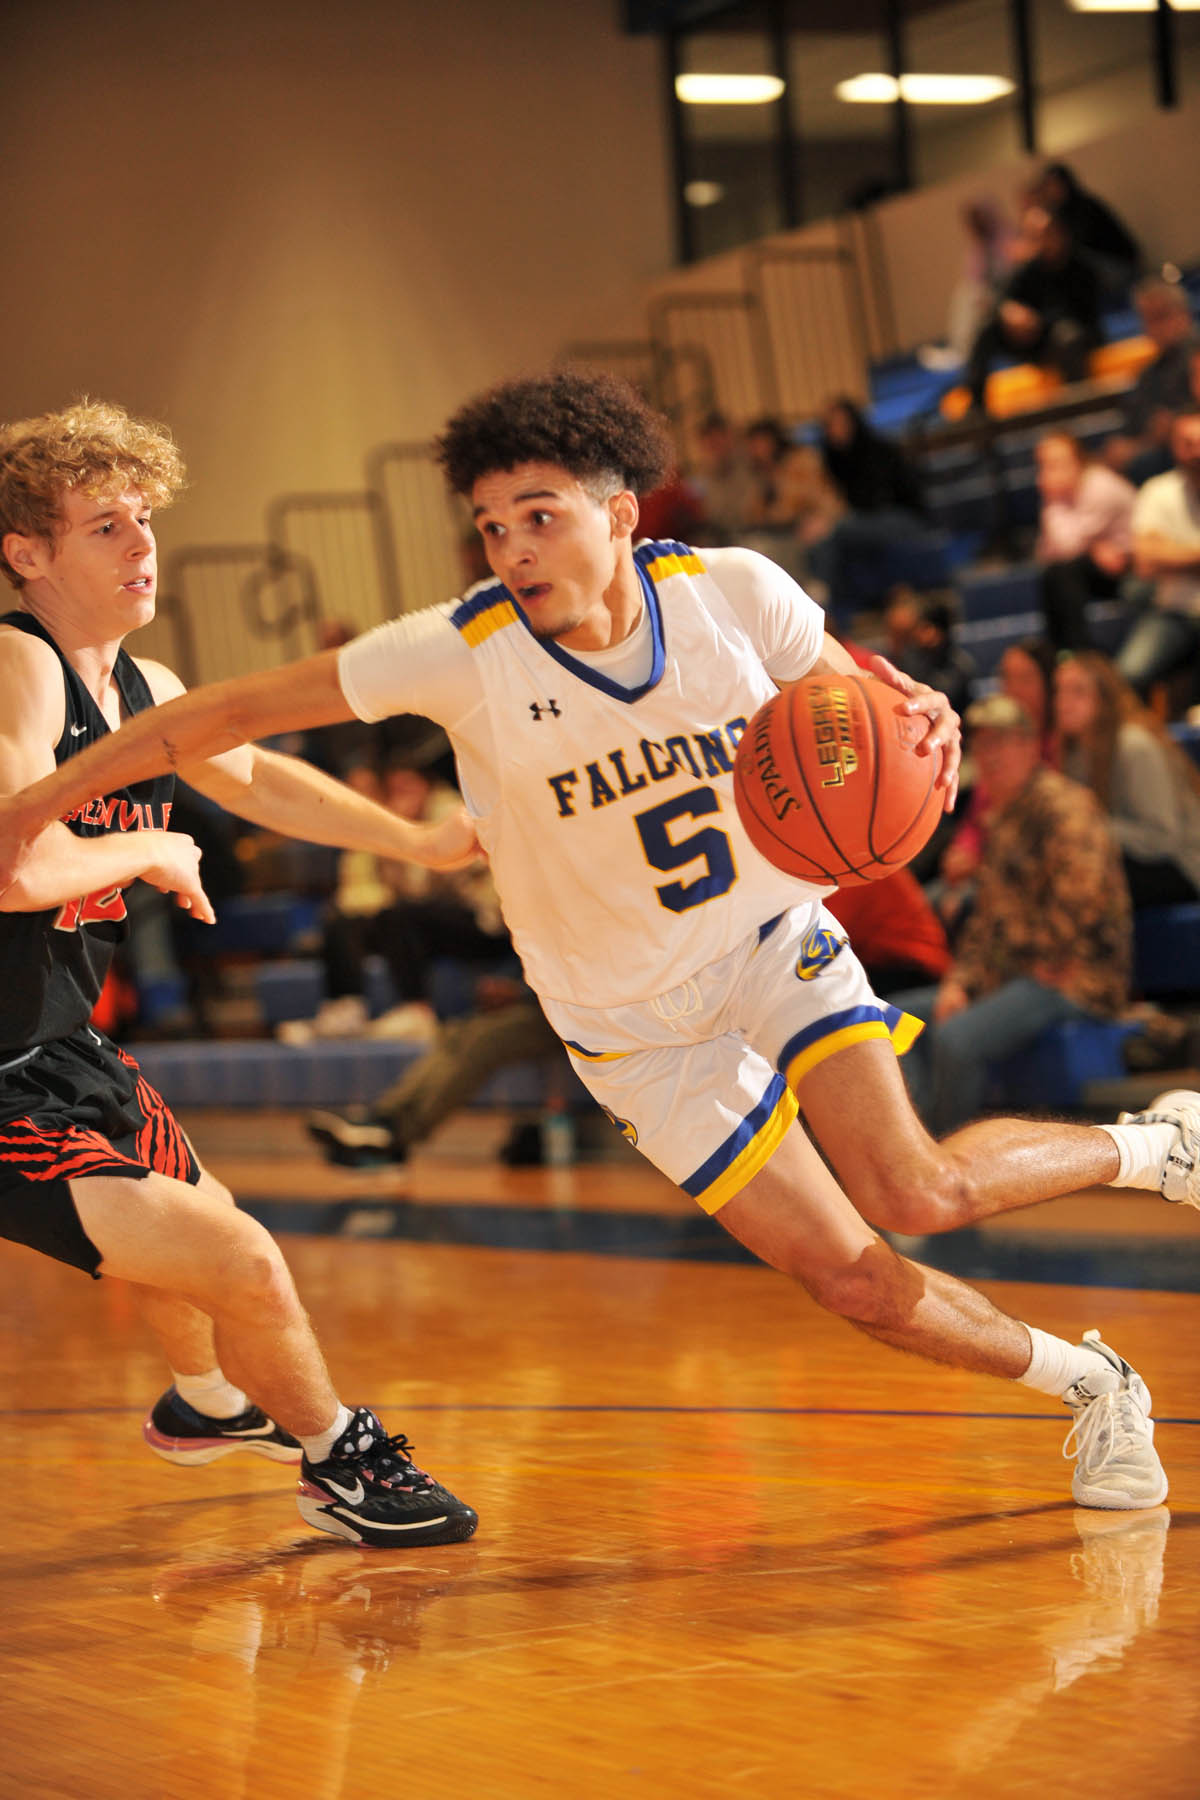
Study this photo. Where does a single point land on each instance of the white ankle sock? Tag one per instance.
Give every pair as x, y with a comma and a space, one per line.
1056, 1365
1143, 1149
317, 1449
211, 1394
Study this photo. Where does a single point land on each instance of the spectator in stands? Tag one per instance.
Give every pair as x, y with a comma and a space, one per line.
885, 518
991, 247
1049, 937
920, 642
1085, 541
1147, 784
895, 932
674, 510
1166, 552
1095, 230
723, 479
408, 915
1163, 388
506, 1027
1027, 678
1048, 313
767, 444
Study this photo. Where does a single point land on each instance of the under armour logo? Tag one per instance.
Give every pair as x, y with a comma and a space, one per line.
550, 707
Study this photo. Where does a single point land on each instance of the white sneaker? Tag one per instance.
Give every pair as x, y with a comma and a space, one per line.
1179, 1177
1112, 1439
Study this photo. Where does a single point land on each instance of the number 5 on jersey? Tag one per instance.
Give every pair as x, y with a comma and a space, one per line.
663, 852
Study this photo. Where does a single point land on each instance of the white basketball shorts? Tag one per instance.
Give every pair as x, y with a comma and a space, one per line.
702, 1079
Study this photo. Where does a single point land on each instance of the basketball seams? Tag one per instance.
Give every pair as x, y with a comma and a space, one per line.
792, 697
747, 794
825, 772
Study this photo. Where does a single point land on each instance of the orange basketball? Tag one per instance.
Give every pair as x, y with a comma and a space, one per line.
829, 784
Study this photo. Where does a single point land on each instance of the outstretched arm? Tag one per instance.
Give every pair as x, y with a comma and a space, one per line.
288, 795
166, 738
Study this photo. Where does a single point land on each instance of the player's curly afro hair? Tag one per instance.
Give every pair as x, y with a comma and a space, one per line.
593, 425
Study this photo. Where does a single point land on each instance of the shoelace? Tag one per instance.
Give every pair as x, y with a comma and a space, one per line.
386, 1459
1103, 1430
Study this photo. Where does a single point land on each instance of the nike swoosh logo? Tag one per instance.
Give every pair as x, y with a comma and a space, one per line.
78, 730
352, 1496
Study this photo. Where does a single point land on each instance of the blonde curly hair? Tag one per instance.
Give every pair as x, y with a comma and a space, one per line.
92, 448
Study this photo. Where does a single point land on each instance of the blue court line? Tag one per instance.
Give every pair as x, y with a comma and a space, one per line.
565, 1406
1164, 1265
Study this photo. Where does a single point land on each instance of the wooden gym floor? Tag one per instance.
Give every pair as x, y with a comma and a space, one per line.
727, 1545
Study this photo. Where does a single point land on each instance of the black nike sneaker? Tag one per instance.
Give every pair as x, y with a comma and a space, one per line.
370, 1491
179, 1433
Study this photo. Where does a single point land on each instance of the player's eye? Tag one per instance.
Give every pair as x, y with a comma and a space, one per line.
540, 516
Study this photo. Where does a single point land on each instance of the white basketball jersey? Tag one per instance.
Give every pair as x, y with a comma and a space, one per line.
617, 851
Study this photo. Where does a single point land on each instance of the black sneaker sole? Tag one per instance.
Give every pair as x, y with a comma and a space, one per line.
330, 1515
207, 1449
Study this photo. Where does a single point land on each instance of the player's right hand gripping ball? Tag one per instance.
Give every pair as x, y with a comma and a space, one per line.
829, 784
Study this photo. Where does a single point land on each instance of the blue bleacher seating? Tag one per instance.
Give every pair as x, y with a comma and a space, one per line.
260, 924
1052, 1073
1167, 951
338, 1072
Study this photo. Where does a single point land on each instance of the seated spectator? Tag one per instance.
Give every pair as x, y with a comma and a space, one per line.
673, 510
1026, 677
1050, 936
893, 930
766, 444
408, 915
723, 479
866, 551
1084, 543
1163, 388
1048, 313
1095, 230
920, 642
1166, 553
987, 263
1147, 784
507, 1026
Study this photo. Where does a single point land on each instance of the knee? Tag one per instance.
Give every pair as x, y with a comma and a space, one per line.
872, 1290
916, 1196
254, 1279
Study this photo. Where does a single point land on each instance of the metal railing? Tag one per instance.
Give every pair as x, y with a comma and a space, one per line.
804, 324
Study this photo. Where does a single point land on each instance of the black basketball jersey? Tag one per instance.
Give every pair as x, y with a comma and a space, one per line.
53, 963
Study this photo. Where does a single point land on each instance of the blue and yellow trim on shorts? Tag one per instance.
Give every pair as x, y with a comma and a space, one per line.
855, 1025
595, 1056
746, 1149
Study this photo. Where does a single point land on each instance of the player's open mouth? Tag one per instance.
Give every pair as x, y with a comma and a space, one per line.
141, 585
536, 591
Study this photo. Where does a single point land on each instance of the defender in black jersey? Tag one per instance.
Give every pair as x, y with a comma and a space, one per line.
94, 1170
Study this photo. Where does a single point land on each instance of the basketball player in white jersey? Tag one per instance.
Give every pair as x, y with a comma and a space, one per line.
594, 690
